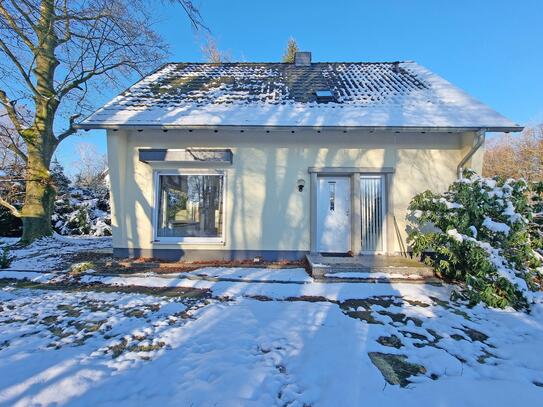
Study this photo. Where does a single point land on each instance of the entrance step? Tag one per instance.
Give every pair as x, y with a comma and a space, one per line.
369, 268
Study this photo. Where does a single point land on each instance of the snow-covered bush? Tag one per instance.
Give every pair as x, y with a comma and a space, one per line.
536, 225
82, 212
81, 208
478, 233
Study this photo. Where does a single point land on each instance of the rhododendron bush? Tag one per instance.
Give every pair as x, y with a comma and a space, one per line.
484, 234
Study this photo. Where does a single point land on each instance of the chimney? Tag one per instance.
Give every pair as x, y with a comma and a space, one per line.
302, 59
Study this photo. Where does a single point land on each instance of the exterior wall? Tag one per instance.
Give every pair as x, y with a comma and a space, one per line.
476, 162
264, 211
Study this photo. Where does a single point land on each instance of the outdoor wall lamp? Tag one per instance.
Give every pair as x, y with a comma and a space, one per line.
301, 184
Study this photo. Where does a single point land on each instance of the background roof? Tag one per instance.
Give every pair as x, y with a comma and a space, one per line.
388, 94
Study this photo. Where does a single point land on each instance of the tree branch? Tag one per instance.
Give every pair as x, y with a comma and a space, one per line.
14, 211
71, 129
18, 151
18, 65
192, 13
85, 77
24, 14
18, 30
12, 113
83, 18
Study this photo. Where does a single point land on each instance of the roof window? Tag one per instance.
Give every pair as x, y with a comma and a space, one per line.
324, 96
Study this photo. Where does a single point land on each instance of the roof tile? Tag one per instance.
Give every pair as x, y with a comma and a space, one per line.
370, 94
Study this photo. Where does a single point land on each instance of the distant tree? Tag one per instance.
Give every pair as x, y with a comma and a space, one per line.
212, 53
12, 179
91, 167
60, 180
290, 52
52, 54
518, 156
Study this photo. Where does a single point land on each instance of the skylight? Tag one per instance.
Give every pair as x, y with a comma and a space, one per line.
324, 96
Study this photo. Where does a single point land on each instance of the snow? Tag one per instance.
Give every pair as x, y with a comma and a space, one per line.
89, 348
8, 241
295, 275
47, 254
34, 276
450, 205
456, 235
513, 215
373, 275
281, 291
260, 337
372, 95
496, 227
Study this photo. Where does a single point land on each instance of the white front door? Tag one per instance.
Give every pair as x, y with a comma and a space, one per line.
334, 215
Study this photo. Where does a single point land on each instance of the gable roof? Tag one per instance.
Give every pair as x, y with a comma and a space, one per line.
387, 94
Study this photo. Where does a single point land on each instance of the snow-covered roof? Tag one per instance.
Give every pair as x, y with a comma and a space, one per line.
388, 94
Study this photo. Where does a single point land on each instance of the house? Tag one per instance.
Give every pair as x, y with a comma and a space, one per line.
238, 160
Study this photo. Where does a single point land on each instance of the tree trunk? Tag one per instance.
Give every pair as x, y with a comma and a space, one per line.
40, 196
41, 142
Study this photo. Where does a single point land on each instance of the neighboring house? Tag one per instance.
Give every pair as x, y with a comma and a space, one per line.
237, 160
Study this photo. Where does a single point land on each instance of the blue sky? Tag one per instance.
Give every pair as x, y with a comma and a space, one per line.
491, 48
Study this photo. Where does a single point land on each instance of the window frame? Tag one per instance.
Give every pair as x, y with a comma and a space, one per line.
156, 204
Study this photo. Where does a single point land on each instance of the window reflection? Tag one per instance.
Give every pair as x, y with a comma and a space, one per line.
190, 206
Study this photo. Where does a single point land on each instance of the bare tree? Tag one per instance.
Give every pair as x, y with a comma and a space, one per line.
91, 167
12, 167
211, 51
53, 54
516, 156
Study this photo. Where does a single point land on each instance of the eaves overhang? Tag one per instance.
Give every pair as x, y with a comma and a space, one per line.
401, 129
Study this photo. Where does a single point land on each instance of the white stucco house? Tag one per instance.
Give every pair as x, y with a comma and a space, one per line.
238, 160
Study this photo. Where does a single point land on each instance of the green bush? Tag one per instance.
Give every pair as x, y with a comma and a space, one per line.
481, 234
5, 258
10, 226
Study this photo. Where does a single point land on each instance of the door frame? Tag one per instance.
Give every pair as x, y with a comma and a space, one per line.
356, 228
333, 178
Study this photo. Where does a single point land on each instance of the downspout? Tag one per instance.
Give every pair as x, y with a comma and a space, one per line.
480, 141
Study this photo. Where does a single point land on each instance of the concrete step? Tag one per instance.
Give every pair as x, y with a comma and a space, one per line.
369, 268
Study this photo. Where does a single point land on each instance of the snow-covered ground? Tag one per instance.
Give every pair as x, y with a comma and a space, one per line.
51, 253
278, 291
124, 349
293, 275
256, 337
374, 275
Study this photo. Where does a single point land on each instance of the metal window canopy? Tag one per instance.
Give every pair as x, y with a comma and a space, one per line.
189, 155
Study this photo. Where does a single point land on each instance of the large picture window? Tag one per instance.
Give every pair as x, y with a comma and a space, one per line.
190, 206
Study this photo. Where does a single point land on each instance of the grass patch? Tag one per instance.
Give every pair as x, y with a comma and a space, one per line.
474, 334
363, 316
121, 347
49, 320
391, 341
69, 310
395, 368
170, 292
79, 268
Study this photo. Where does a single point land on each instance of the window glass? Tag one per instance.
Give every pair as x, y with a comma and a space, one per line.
190, 206
332, 190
